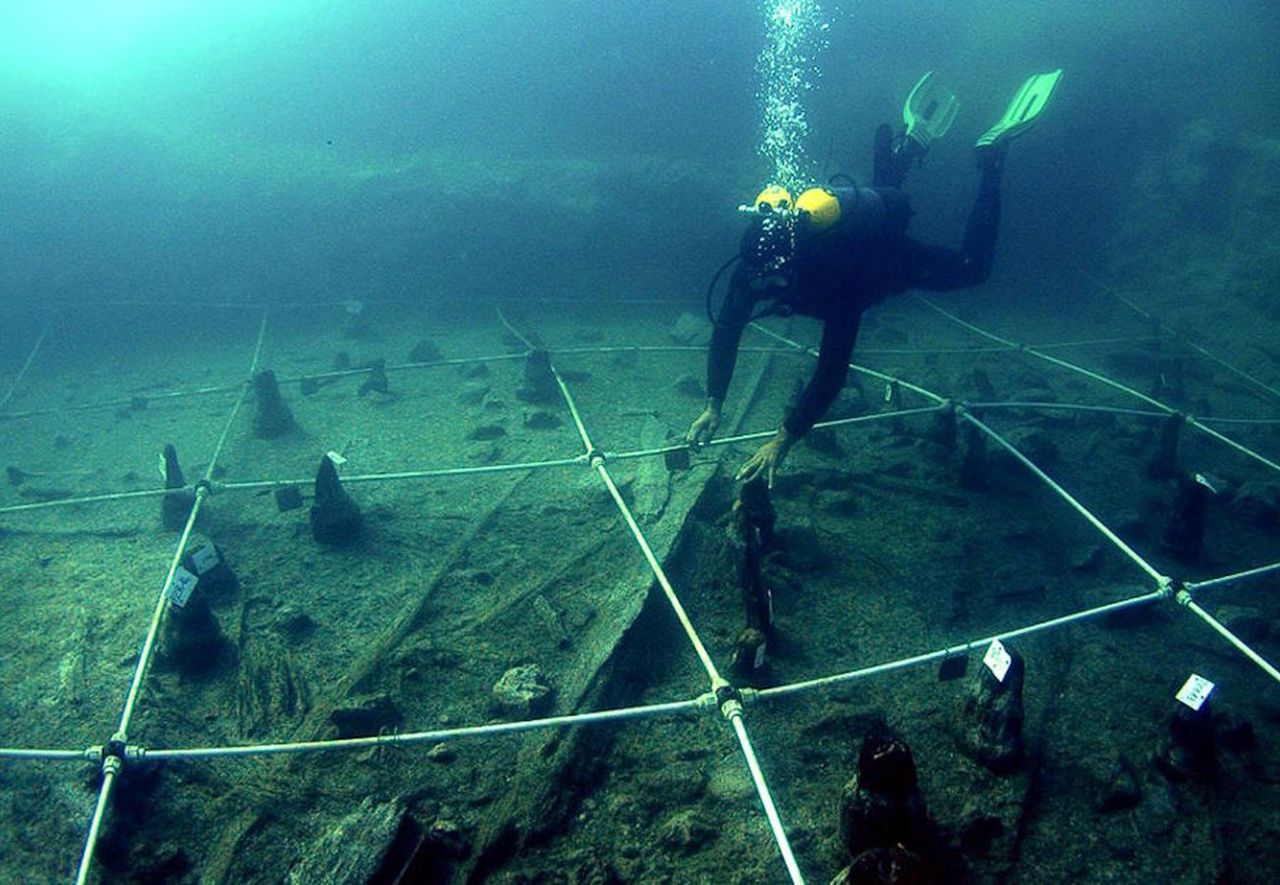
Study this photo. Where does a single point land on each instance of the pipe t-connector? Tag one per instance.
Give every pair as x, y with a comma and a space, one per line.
116, 747
729, 700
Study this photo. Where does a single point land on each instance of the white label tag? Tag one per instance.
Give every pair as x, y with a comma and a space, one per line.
1208, 482
204, 558
768, 595
759, 662
888, 392
1195, 691
180, 587
337, 459
997, 660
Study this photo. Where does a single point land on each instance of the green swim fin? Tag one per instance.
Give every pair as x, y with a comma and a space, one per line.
929, 111
1028, 102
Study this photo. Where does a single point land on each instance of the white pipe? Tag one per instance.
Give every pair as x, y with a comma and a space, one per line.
419, 737
965, 648
22, 373
1185, 599
111, 768
112, 764
1197, 586
766, 799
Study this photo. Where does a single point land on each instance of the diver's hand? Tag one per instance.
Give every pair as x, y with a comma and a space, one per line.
767, 459
705, 425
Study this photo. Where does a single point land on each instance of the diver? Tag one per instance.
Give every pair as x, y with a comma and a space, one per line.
835, 251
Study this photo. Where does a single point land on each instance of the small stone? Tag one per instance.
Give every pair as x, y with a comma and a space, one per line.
1131, 524
541, 419
1234, 732
690, 329
425, 351
689, 385
288, 498
1087, 559
490, 454
487, 432
294, 624
1257, 502
1245, 621
446, 840
372, 716
686, 832
473, 394
851, 402
1122, 790
522, 692
1186, 748
441, 753
676, 459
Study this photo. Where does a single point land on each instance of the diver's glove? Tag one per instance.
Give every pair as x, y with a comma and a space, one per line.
705, 425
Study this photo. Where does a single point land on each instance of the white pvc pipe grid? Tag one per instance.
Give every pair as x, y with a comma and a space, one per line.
112, 764
786, 689
22, 373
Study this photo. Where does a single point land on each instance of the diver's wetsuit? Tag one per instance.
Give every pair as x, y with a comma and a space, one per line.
840, 272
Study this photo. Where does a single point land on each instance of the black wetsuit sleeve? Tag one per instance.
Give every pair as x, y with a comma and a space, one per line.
722, 356
939, 268
838, 336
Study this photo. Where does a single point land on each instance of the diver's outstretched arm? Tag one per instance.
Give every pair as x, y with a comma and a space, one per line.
834, 354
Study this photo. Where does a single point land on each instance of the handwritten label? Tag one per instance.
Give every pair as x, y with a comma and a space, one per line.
204, 558
180, 587
1195, 691
997, 660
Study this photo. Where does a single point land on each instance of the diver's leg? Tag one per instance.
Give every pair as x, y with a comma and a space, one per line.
984, 218
939, 268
